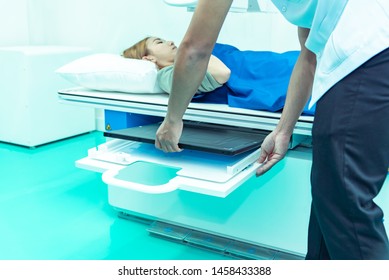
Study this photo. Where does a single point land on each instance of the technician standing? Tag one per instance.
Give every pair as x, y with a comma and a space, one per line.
344, 67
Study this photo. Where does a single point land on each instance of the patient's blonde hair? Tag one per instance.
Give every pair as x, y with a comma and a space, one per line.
138, 51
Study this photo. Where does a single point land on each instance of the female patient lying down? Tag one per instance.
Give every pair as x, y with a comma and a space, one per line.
163, 53
245, 79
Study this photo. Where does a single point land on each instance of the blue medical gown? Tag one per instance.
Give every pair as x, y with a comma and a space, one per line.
258, 81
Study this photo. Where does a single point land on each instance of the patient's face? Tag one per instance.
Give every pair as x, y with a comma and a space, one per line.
163, 51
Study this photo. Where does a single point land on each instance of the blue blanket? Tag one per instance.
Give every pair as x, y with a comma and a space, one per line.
259, 79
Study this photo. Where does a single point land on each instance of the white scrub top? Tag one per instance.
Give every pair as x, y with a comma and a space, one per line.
344, 34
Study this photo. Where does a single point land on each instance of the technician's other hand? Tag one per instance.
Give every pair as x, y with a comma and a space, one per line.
273, 149
168, 135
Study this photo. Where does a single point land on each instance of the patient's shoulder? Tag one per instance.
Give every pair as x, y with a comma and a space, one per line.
165, 78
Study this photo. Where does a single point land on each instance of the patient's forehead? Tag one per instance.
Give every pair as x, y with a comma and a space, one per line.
154, 40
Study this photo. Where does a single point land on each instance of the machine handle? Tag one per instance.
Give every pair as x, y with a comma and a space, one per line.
109, 178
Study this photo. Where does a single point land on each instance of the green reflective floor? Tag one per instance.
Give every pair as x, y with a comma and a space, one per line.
51, 210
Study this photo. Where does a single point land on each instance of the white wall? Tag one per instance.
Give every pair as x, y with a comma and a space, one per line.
112, 26
13, 22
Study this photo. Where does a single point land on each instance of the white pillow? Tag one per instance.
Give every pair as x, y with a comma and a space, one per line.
110, 72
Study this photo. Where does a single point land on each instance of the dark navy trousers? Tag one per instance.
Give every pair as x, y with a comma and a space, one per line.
350, 163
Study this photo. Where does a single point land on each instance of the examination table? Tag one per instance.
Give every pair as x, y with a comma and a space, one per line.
210, 203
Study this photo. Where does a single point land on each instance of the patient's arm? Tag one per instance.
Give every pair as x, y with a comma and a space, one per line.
217, 74
218, 70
